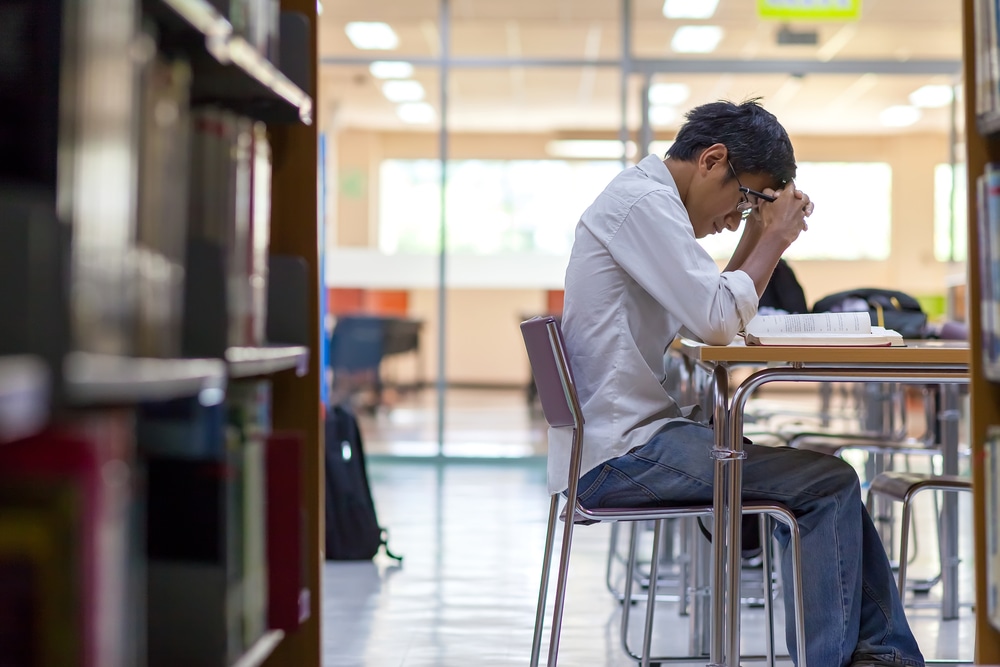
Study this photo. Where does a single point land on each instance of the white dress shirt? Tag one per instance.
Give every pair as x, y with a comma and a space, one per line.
636, 277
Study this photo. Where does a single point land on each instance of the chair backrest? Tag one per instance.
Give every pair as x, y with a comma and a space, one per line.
357, 343
546, 349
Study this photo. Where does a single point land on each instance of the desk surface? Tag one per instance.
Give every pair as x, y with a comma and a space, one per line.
916, 352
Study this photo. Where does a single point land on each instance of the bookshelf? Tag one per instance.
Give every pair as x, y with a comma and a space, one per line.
157, 357
982, 146
96, 379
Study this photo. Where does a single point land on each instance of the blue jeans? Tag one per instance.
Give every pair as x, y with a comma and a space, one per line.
851, 604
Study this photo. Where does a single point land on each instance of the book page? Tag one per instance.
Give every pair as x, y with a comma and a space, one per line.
809, 323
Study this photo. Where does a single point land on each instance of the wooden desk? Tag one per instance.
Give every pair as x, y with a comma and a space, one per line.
922, 353
944, 363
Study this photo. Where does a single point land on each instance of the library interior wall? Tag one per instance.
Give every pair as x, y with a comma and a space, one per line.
482, 341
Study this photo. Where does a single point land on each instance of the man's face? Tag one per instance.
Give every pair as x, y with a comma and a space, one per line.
713, 200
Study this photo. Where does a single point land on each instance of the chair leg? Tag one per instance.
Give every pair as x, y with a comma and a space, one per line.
684, 572
559, 603
647, 636
904, 539
795, 544
612, 557
629, 577
543, 588
765, 543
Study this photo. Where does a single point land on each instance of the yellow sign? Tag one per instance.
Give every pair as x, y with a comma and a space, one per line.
836, 10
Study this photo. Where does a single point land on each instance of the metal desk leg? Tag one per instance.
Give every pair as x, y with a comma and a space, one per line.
948, 419
722, 501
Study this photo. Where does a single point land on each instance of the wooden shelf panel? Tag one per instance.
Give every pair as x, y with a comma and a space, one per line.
246, 362
261, 649
98, 379
24, 395
229, 70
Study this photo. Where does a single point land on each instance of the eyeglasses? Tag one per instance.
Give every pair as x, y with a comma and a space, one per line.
745, 205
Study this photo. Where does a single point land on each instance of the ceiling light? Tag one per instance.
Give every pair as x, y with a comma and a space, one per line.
319, 8
415, 113
403, 91
696, 38
599, 149
391, 69
673, 94
899, 116
371, 35
662, 115
689, 9
932, 96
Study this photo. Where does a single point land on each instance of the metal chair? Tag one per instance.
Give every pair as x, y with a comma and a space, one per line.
560, 404
903, 487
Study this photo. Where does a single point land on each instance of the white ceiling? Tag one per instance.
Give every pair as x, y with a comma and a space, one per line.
485, 93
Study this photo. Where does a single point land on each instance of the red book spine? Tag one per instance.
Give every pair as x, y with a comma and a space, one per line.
285, 548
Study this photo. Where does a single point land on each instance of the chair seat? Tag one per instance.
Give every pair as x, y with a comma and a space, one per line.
899, 485
583, 517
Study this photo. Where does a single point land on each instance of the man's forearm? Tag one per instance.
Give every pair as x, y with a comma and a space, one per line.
761, 260
748, 241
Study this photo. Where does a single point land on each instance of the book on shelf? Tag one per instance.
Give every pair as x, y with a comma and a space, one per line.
256, 21
991, 500
819, 329
228, 233
288, 593
988, 228
259, 237
987, 57
207, 545
64, 543
164, 145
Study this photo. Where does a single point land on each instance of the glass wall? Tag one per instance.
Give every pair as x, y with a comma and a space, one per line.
465, 137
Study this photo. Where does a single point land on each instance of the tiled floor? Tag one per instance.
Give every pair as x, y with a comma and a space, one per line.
471, 531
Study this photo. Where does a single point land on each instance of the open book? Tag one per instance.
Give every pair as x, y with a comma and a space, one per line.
834, 329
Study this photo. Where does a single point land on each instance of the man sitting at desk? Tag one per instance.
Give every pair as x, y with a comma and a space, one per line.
636, 278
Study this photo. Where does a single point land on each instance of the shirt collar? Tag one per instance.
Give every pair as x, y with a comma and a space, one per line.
652, 165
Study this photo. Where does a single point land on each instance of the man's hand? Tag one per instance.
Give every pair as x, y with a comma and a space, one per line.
785, 217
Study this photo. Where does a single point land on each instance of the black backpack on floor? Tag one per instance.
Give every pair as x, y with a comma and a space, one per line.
352, 528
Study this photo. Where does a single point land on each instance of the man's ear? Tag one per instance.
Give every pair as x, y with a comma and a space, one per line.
715, 156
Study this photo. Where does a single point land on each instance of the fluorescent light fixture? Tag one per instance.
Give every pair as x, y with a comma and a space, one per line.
932, 96
391, 69
319, 8
403, 91
371, 35
689, 9
671, 94
900, 115
598, 149
696, 39
662, 115
415, 113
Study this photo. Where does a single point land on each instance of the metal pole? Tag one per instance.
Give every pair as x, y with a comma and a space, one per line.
626, 68
645, 129
953, 162
443, 238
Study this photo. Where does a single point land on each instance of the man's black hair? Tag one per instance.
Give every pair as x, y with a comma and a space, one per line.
756, 141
